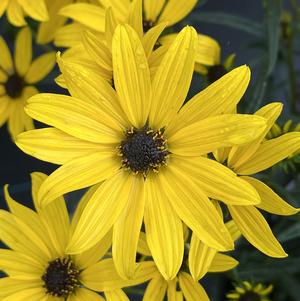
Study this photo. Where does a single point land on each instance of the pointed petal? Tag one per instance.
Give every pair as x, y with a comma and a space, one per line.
90, 15
256, 230
221, 97
240, 154
173, 78
127, 230
222, 263
5, 59
83, 294
153, 9
69, 35
271, 152
15, 13
23, 51
3, 7
37, 11
40, 68
270, 201
143, 247
163, 229
75, 117
192, 290
195, 209
215, 132
120, 8
130, 63
79, 173
116, 295
175, 11
135, 18
156, 289
101, 212
111, 24
55, 146
103, 276
217, 181
200, 258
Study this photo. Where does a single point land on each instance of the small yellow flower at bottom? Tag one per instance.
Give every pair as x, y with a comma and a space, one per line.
17, 79
37, 266
248, 291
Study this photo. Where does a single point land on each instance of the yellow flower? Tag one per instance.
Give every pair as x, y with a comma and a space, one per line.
37, 265
16, 10
199, 260
248, 291
16, 81
134, 139
250, 159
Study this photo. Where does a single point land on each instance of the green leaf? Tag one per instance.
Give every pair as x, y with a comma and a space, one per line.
230, 20
273, 9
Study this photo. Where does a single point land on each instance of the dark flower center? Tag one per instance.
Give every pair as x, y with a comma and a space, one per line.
143, 150
148, 24
215, 73
14, 86
60, 278
250, 296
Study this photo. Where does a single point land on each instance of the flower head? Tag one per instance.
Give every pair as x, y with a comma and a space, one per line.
37, 265
134, 139
16, 81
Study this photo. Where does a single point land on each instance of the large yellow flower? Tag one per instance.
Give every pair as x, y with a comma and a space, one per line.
37, 265
133, 139
16, 81
16, 10
250, 159
199, 259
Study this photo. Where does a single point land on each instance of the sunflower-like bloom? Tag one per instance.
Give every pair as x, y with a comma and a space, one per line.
199, 260
250, 159
17, 10
248, 291
37, 265
134, 139
16, 81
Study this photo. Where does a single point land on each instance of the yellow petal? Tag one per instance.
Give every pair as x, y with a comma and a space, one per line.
233, 230
131, 75
135, 18
171, 293
89, 15
127, 230
163, 229
156, 289
221, 97
256, 230
270, 201
55, 146
75, 117
241, 154
32, 294
23, 51
40, 68
79, 173
217, 181
81, 294
269, 153
3, 7
5, 59
116, 295
4, 109
15, 13
120, 8
222, 263
101, 212
175, 11
194, 208
111, 24
103, 276
200, 257
173, 78
37, 11
215, 132
152, 9
192, 290
69, 35
143, 247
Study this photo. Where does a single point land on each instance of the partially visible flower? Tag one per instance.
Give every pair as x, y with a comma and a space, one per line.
37, 266
17, 78
199, 260
17, 10
248, 291
252, 158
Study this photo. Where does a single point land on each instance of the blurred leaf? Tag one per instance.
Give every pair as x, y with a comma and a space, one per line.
273, 10
230, 20
291, 233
